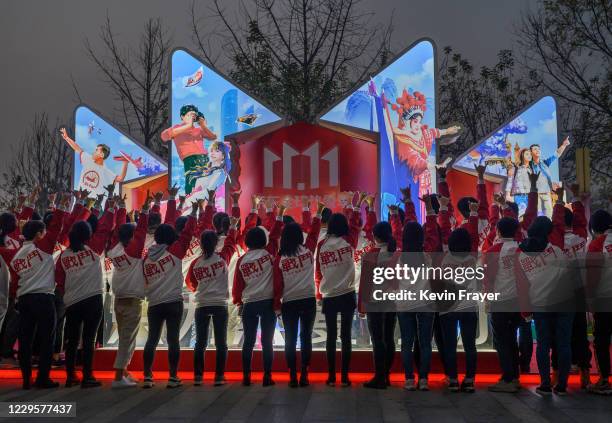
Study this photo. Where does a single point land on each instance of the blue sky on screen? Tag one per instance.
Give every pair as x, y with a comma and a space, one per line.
104, 133
535, 125
208, 95
413, 71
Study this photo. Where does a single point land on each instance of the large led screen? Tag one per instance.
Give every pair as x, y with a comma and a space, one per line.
399, 104
507, 151
104, 155
206, 108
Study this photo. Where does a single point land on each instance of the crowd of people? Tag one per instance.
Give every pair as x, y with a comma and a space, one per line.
270, 266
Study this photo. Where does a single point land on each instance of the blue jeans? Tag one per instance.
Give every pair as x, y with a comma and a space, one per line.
413, 325
468, 324
557, 326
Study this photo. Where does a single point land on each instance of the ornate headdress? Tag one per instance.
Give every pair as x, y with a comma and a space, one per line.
409, 105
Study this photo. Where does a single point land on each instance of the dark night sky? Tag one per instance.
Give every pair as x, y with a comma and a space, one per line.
42, 44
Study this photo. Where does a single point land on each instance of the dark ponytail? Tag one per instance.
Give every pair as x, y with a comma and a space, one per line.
208, 242
384, 232
79, 234
8, 223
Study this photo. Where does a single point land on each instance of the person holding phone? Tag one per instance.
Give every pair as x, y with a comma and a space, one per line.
189, 141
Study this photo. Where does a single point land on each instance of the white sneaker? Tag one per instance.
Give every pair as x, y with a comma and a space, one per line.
148, 383
409, 385
123, 383
423, 385
174, 382
132, 378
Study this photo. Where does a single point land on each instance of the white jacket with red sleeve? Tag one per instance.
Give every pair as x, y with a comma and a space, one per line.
253, 278
543, 272
294, 275
499, 269
599, 271
78, 274
163, 268
127, 280
334, 263
208, 276
32, 267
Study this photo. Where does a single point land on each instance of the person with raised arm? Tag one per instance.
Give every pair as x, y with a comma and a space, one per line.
294, 285
545, 292
78, 274
599, 295
208, 278
545, 183
94, 175
33, 286
335, 282
164, 291
128, 286
253, 294
381, 318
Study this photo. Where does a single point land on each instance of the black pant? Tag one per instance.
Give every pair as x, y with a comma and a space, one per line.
505, 325
258, 312
382, 334
299, 314
525, 345
60, 309
171, 314
87, 314
10, 330
439, 338
202, 322
36, 313
345, 306
602, 331
581, 351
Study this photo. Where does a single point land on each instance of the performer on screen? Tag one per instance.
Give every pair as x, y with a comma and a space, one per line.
413, 140
189, 142
214, 174
94, 175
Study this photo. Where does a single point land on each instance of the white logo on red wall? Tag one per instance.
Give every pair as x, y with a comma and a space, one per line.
307, 169
91, 179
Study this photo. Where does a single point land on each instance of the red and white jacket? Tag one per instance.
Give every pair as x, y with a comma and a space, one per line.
127, 279
575, 238
294, 275
208, 277
78, 274
494, 215
253, 280
541, 273
163, 268
499, 261
599, 271
335, 264
14, 240
32, 268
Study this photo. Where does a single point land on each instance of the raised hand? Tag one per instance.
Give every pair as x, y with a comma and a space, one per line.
64, 133
574, 189
406, 195
566, 141
194, 208
474, 207
362, 196
441, 170
147, 201
51, 197
393, 208
181, 201
320, 207
110, 189
234, 222
481, 169
201, 203
370, 199
236, 196
158, 196
443, 201
65, 200
499, 198
34, 195
90, 202
172, 191
255, 199
427, 200
211, 196
99, 199
560, 194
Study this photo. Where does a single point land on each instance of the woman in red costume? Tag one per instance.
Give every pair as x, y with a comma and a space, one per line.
413, 140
